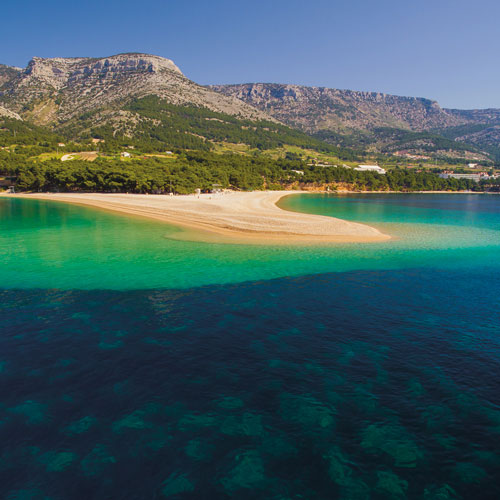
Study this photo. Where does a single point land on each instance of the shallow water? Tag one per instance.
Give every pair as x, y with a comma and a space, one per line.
55, 245
376, 375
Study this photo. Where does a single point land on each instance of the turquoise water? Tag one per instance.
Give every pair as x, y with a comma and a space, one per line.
136, 366
54, 245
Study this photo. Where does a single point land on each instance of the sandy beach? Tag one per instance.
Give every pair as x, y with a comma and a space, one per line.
231, 217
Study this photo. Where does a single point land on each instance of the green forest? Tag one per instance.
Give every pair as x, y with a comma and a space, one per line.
28, 161
201, 169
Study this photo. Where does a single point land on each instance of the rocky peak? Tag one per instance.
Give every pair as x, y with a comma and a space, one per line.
58, 72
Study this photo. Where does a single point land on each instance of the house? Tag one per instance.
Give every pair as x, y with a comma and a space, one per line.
370, 168
97, 141
61, 144
125, 154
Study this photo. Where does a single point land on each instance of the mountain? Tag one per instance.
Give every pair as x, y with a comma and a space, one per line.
370, 119
58, 90
318, 108
143, 97
137, 99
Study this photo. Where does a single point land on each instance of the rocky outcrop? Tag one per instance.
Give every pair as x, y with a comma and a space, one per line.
318, 108
5, 113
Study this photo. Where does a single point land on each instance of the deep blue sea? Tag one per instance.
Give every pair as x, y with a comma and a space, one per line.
369, 372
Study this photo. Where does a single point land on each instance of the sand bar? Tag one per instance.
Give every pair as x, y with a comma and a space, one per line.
234, 217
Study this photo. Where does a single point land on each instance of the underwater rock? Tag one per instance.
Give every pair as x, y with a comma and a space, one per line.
110, 344
65, 362
34, 412
149, 439
415, 388
437, 417
390, 485
467, 472
198, 449
80, 426
193, 421
248, 424
364, 399
444, 492
447, 442
338, 470
306, 411
391, 440
278, 446
133, 421
157, 439
314, 368
31, 494
341, 474
57, 461
161, 343
97, 461
176, 483
494, 417
248, 472
112, 340
354, 489
230, 403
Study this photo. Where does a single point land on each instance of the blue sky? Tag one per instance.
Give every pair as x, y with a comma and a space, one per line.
442, 49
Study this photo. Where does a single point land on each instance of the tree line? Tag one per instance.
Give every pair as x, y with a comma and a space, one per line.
192, 170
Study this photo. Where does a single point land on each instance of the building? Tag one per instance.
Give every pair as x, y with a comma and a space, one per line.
473, 177
370, 168
125, 154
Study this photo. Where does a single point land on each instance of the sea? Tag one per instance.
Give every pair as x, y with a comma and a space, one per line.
137, 365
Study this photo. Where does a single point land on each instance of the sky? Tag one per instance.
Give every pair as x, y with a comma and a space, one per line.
442, 49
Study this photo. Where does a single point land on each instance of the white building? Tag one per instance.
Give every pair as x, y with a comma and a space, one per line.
126, 154
370, 168
472, 177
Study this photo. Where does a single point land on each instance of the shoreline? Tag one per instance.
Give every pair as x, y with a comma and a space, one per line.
234, 217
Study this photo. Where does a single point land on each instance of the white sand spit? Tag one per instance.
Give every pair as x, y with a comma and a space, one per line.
233, 217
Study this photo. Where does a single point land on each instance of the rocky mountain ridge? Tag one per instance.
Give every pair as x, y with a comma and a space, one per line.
56, 90
78, 95
319, 108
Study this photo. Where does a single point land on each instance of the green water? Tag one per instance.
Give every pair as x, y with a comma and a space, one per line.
55, 245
